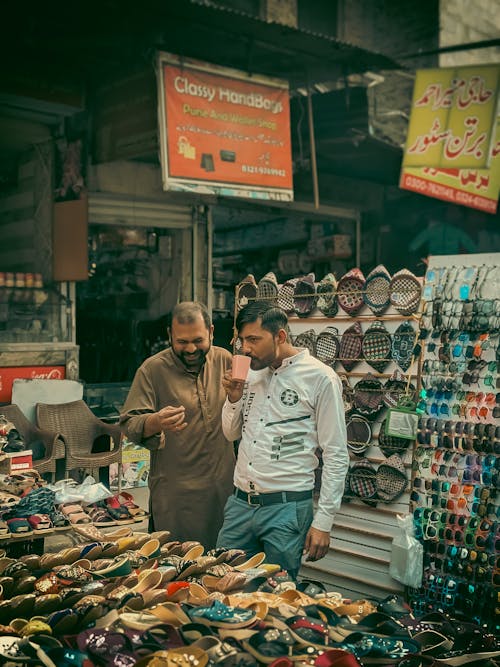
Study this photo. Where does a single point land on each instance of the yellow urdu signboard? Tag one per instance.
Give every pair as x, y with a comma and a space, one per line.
475, 188
453, 118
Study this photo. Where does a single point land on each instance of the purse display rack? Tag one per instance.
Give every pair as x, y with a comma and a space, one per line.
455, 495
376, 300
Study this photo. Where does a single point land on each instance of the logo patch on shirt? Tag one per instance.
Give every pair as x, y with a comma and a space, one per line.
289, 397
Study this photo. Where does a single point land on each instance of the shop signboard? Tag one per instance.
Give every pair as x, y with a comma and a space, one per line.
475, 188
11, 373
453, 138
223, 131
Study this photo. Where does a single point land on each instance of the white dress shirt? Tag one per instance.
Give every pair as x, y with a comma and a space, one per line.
282, 417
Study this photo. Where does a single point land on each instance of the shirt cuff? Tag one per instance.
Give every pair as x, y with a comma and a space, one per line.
323, 521
233, 406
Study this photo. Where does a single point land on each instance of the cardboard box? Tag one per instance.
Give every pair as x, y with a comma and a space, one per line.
17, 461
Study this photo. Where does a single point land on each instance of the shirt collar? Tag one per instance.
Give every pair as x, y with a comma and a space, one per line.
303, 354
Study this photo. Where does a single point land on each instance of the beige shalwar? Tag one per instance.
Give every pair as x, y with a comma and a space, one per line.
192, 475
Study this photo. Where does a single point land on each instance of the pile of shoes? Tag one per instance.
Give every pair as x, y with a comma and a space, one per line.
10, 439
142, 599
29, 506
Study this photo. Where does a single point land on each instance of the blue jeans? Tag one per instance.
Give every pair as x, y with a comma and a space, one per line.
278, 530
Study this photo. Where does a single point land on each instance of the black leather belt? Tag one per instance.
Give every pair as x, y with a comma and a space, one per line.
272, 498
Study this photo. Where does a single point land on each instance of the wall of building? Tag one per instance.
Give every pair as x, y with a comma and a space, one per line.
464, 21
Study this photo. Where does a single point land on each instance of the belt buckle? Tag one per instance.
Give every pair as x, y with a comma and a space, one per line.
250, 495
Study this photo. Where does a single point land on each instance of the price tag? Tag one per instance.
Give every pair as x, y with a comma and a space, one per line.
464, 292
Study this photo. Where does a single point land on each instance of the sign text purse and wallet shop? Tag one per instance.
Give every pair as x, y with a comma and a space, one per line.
223, 132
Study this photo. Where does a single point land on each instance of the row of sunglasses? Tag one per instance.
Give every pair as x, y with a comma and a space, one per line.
452, 595
302, 295
474, 316
455, 530
459, 436
451, 466
465, 499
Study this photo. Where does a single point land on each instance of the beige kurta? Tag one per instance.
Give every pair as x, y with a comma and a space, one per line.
192, 476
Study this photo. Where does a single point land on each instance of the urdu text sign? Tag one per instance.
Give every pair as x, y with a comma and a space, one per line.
451, 148
224, 132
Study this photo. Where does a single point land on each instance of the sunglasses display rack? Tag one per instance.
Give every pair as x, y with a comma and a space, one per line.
455, 495
376, 355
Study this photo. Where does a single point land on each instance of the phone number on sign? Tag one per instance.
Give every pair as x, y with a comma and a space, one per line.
249, 169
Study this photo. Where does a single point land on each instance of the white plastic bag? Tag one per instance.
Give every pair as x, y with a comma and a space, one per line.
89, 491
67, 491
407, 554
93, 491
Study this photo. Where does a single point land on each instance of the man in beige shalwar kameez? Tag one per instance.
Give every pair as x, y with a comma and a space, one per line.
174, 409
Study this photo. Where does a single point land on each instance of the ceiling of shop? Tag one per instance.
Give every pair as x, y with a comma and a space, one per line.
69, 50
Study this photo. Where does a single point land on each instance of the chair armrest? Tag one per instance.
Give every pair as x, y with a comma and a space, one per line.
54, 443
113, 430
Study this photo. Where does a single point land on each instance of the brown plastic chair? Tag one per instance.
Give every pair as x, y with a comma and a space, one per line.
83, 433
51, 438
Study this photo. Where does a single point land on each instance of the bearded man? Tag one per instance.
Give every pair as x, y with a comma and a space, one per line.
174, 409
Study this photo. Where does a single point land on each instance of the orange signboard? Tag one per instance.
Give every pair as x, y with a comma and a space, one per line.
223, 131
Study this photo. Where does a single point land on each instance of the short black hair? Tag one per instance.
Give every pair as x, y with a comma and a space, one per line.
272, 318
186, 312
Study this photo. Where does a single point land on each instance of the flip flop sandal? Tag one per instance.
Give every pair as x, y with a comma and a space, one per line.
127, 500
119, 513
273, 643
191, 632
229, 582
252, 562
220, 615
41, 524
375, 623
19, 527
170, 613
311, 588
75, 514
59, 521
100, 517
394, 606
217, 650
308, 631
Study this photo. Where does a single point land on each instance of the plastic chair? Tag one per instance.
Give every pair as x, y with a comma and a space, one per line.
53, 441
91, 444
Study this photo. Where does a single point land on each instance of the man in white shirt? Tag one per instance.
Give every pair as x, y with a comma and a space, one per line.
290, 405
